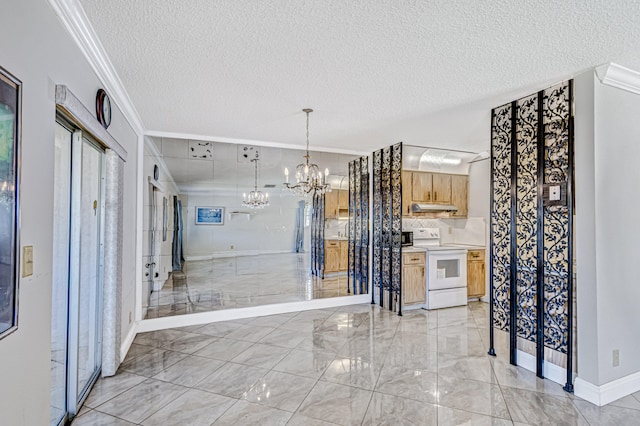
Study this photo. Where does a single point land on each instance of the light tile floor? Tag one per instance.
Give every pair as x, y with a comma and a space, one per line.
355, 365
239, 282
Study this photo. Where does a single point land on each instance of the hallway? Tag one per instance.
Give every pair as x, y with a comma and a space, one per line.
349, 365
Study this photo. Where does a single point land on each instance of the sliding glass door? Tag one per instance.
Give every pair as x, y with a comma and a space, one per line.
77, 271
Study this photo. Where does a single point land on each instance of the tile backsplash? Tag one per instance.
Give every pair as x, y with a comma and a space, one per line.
471, 231
334, 226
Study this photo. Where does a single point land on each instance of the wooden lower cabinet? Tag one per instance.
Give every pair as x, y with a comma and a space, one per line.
475, 273
336, 255
414, 284
344, 255
331, 256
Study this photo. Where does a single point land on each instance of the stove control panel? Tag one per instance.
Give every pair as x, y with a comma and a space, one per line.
426, 233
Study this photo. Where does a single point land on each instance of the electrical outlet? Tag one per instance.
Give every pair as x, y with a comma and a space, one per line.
616, 357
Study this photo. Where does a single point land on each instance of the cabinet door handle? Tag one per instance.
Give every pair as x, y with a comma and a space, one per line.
435, 195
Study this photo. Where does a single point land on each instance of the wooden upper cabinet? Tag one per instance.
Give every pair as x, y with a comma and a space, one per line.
421, 187
407, 189
331, 205
460, 194
434, 188
441, 188
343, 202
336, 204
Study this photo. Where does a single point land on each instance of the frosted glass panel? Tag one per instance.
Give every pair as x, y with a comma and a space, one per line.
60, 284
90, 267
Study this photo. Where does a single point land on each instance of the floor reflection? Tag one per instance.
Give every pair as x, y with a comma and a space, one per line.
241, 282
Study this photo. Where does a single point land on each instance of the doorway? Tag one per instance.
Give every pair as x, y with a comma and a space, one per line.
78, 250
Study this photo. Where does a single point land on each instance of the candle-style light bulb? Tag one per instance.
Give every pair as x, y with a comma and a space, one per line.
286, 175
326, 174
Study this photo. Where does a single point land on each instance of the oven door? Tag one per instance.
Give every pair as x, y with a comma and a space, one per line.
447, 269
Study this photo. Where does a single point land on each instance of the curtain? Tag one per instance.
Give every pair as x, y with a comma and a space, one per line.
176, 247
299, 245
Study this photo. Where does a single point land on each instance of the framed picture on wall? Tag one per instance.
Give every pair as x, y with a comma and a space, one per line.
209, 215
10, 100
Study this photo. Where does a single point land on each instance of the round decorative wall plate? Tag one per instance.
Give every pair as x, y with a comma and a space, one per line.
103, 108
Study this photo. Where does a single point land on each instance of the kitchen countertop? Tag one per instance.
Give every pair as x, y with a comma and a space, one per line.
336, 238
442, 248
412, 249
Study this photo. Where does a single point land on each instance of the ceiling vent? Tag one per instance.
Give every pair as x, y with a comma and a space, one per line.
202, 150
246, 153
269, 185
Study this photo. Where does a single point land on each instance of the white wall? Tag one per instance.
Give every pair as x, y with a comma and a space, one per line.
607, 212
480, 203
585, 229
268, 230
617, 150
39, 52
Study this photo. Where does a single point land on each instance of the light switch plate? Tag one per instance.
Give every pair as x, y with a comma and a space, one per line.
555, 193
27, 261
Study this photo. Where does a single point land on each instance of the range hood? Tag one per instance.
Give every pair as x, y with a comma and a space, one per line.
432, 208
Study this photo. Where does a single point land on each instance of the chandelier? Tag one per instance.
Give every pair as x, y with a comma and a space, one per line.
309, 179
256, 199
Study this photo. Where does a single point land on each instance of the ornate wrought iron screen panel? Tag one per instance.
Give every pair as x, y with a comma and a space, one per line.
531, 224
387, 227
359, 226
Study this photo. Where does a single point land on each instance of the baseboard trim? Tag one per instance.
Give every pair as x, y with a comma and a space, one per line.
128, 341
553, 372
234, 253
253, 311
608, 392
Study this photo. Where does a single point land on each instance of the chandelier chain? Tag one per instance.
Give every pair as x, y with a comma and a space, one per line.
309, 179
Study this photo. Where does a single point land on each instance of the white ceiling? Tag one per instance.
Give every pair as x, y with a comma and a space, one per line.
376, 71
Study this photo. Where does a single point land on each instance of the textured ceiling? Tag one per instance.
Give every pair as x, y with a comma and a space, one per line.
375, 71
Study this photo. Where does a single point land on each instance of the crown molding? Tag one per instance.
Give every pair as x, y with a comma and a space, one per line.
620, 77
77, 23
159, 159
254, 142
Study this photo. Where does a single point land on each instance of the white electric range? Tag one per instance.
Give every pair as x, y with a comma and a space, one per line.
446, 269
